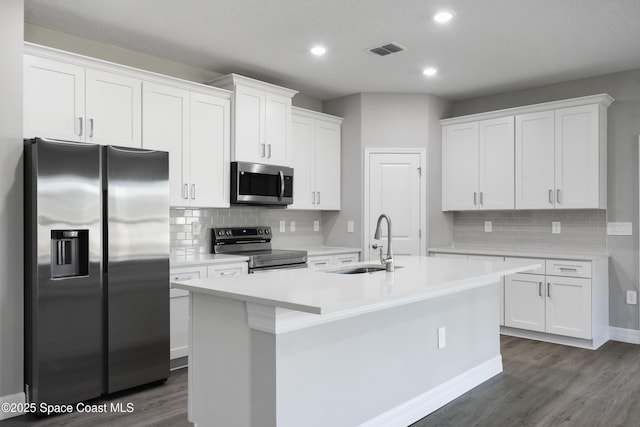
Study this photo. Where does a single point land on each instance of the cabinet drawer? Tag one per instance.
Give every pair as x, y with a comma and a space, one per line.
559, 267
227, 270
346, 259
320, 261
186, 273
540, 270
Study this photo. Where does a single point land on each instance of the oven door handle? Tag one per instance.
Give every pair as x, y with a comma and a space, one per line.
281, 175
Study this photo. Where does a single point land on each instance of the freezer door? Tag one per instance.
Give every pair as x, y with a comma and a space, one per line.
136, 266
63, 295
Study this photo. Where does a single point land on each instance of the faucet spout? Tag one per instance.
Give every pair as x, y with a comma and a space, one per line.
387, 260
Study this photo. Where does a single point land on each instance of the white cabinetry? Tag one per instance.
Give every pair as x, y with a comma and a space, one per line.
316, 262
316, 160
478, 165
261, 120
179, 300
194, 129
76, 103
560, 157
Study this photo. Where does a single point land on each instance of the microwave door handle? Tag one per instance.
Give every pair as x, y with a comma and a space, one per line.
281, 174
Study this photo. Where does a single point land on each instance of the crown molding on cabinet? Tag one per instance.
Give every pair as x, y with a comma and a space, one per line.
316, 115
229, 81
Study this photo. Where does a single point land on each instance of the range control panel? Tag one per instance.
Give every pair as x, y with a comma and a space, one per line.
240, 234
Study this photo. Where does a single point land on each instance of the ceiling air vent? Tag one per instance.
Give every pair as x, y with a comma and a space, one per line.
386, 49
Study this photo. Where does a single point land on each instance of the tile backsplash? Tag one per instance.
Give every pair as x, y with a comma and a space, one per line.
581, 230
191, 228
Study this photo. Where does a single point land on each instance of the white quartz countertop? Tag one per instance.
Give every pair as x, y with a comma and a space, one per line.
187, 257
323, 292
330, 250
534, 253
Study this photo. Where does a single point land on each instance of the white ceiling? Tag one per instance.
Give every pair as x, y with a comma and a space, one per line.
491, 45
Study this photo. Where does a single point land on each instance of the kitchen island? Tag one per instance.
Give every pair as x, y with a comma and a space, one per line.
317, 348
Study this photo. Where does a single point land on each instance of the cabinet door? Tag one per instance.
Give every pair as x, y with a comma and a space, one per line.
524, 302
327, 165
165, 127
54, 94
460, 166
496, 166
577, 157
303, 131
569, 306
249, 125
179, 310
113, 106
535, 160
208, 163
278, 129
345, 259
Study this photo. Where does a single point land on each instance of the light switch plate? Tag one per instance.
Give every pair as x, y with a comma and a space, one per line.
283, 226
556, 227
292, 226
632, 297
442, 338
349, 226
619, 229
488, 226
316, 225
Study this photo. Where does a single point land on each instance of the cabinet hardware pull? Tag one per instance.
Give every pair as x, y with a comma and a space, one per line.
318, 197
475, 198
481, 198
549, 289
227, 273
187, 277
185, 191
193, 191
551, 196
90, 128
313, 197
558, 195
539, 289
262, 150
269, 151
80, 121
568, 269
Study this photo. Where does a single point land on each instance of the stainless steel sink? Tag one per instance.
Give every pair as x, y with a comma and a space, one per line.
359, 269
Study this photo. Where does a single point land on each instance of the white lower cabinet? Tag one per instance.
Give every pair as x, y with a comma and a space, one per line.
316, 262
556, 304
179, 300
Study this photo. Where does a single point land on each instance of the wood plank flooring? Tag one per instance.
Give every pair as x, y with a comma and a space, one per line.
542, 385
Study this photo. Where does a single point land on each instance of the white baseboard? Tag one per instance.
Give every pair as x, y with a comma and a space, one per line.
631, 336
428, 402
11, 399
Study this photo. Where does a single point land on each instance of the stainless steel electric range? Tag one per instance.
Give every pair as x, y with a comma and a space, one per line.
255, 243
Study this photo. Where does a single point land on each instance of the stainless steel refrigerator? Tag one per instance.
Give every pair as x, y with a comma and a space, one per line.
96, 269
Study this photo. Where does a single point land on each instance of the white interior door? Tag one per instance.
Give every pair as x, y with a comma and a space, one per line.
394, 186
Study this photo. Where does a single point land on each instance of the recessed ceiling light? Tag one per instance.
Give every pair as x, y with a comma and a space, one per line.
318, 50
443, 16
430, 72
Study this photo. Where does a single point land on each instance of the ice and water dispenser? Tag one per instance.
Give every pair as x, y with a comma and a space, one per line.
69, 253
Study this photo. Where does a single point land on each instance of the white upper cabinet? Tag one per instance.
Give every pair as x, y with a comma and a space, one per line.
558, 160
478, 165
316, 160
261, 120
194, 129
77, 103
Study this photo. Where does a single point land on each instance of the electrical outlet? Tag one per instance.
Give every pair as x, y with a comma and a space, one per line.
349, 226
316, 225
292, 226
632, 297
442, 338
488, 226
283, 226
556, 227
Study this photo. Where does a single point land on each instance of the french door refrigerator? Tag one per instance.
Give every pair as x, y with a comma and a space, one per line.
96, 269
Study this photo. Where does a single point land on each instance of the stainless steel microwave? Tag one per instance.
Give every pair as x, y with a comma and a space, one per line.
260, 184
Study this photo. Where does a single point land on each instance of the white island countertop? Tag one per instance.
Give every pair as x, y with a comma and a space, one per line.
323, 292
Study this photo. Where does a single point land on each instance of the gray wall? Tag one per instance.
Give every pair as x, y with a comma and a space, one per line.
11, 249
387, 120
622, 166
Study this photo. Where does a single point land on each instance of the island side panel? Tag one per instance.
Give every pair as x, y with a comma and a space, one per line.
365, 368
219, 362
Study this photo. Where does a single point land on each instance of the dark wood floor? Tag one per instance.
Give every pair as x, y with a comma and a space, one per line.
542, 385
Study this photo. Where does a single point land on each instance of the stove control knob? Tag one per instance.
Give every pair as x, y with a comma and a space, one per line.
259, 231
220, 233
228, 232
267, 231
